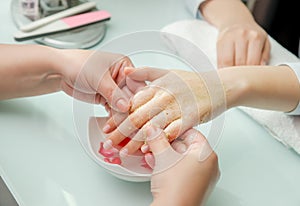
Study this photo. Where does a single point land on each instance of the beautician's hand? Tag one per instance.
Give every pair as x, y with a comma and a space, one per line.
95, 76
242, 44
175, 100
195, 171
92, 76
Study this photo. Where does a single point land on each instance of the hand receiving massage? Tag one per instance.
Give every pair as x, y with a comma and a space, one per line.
178, 100
174, 108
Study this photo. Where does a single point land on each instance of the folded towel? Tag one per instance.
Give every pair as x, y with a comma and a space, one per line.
284, 128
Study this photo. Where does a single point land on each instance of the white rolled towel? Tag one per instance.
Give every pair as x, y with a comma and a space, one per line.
282, 127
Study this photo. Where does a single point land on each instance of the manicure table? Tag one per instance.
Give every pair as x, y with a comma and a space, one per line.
42, 162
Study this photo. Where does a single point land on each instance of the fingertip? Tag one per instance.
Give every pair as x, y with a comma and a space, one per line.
263, 62
150, 160
128, 70
122, 104
145, 148
153, 132
222, 64
113, 95
156, 139
179, 146
106, 129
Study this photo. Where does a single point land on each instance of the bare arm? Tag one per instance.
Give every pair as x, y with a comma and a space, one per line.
91, 76
222, 13
241, 41
27, 70
265, 87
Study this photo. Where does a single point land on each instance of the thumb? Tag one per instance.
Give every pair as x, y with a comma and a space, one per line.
116, 98
156, 139
145, 73
164, 155
134, 86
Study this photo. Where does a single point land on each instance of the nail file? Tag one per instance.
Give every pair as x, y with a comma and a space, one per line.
65, 24
68, 12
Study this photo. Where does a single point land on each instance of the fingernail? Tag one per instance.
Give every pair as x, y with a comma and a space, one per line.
145, 148
181, 148
263, 62
123, 152
149, 159
107, 144
191, 138
106, 128
122, 105
153, 132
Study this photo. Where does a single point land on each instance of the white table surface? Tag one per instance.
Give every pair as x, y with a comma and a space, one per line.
43, 162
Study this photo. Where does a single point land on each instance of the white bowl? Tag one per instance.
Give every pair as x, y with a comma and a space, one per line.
132, 167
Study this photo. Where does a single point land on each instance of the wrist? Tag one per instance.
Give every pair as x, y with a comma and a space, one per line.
222, 14
60, 61
69, 62
236, 86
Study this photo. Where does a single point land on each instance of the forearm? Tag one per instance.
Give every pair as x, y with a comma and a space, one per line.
222, 13
266, 87
28, 70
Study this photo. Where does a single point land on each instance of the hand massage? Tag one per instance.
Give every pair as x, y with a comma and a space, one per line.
152, 113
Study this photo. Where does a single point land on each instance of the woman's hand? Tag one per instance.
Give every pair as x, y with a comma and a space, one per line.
195, 169
241, 40
98, 77
175, 100
242, 44
91, 76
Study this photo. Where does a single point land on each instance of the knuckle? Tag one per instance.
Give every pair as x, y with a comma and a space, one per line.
242, 32
136, 120
255, 35
167, 98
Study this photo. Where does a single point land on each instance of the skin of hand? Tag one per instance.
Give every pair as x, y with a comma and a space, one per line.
196, 170
264, 87
241, 41
174, 108
101, 78
88, 75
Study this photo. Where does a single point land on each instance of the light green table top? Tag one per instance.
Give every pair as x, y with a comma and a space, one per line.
43, 162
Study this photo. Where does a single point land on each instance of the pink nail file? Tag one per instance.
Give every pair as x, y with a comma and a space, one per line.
65, 24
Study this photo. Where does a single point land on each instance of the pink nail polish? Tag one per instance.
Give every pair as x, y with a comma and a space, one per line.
123, 152
106, 152
106, 128
107, 144
145, 148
